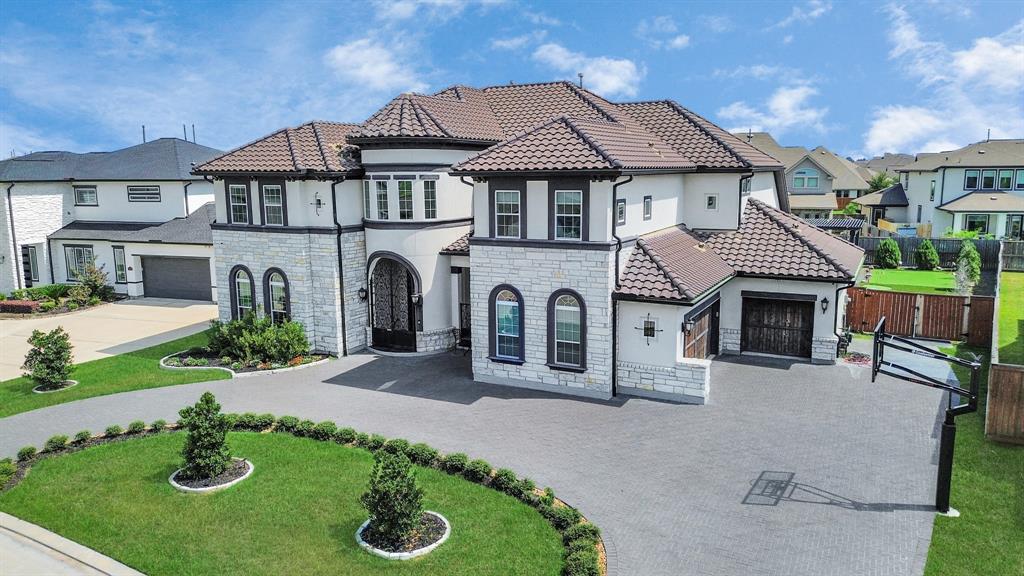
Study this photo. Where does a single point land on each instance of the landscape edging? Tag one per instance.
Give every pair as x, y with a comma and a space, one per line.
208, 489
403, 555
234, 374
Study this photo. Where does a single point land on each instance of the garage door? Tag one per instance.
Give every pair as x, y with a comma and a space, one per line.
775, 326
184, 278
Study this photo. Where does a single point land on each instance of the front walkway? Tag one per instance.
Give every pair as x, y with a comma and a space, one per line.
29, 549
107, 329
791, 469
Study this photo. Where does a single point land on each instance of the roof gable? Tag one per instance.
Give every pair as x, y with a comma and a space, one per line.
316, 147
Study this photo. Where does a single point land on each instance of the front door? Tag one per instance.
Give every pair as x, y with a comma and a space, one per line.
782, 327
393, 312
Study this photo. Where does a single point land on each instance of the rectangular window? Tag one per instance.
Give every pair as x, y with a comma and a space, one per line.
569, 214
143, 193
238, 197
711, 201
77, 258
382, 200
506, 214
648, 207
650, 327
429, 199
1005, 179
976, 222
918, 213
1019, 184
86, 196
120, 271
273, 205
405, 199
988, 179
931, 194
33, 263
620, 211
971, 179
366, 199
507, 312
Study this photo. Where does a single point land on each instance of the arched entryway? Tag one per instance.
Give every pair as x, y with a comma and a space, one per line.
394, 303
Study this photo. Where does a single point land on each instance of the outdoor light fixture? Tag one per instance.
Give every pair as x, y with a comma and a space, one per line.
416, 298
824, 304
362, 294
688, 326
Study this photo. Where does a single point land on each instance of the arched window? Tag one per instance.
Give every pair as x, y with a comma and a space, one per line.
275, 295
506, 324
243, 293
567, 330
805, 178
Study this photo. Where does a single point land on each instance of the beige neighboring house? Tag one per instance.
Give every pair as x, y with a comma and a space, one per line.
815, 178
888, 163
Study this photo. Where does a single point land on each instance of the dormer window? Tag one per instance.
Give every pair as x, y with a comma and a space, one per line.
806, 178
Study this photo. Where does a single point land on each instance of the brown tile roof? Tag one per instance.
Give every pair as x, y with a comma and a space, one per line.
458, 248
318, 147
770, 242
456, 113
672, 264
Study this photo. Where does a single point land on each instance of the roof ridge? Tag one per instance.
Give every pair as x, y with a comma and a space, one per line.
320, 145
417, 106
687, 113
586, 99
799, 236
677, 282
510, 141
177, 157
590, 141
521, 84
291, 149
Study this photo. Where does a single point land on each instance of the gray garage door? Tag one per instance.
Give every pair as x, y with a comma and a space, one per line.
185, 278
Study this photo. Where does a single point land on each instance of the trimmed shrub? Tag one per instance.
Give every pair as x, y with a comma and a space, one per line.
478, 471
231, 418
7, 469
136, 427
579, 545
587, 532
71, 305
55, 443
455, 463
193, 361
362, 439
394, 501
82, 437
305, 428
287, 424
505, 481
205, 453
396, 446
422, 454
246, 421
26, 453
77, 295
47, 305
263, 421
888, 254
49, 361
925, 256
375, 442
114, 430
324, 430
19, 306
345, 436
548, 497
173, 361
526, 488
561, 517
256, 339
158, 426
582, 563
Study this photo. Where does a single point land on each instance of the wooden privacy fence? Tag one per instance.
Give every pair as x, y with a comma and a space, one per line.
932, 316
1013, 255
1004, 406
947, 248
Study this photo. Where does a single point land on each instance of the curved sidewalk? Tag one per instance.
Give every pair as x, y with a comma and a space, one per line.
29, 549
676, 489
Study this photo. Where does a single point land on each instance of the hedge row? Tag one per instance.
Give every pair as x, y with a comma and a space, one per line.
19, 306
579, 537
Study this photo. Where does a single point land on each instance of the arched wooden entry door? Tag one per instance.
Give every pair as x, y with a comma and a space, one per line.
394, 315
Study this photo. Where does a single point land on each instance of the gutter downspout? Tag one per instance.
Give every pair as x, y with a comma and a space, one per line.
618, 283
341, 263
739, 198
472, 203
19, 281
49, 257
187, 184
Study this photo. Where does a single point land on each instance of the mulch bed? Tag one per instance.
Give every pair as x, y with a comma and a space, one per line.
234, 471
857, 358
215, 362
430, 530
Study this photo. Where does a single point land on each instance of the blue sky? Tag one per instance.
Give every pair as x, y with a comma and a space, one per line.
858, 77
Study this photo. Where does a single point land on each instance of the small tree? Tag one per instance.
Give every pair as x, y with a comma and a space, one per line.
925, 256
888, 254
394, 501
94, 278
49, 361
206, 451
880, 181
971, 260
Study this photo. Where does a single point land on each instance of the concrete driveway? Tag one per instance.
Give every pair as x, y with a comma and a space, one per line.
791, 469
107, 330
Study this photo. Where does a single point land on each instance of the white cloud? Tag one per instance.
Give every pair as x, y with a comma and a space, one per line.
757, 72
518, 42
656, 25
661, 32
541, 19
786, 109
434, 9
371, 64
604, 75
787, 39
806, 12
18, 140
964, 92
680, 41
716, 23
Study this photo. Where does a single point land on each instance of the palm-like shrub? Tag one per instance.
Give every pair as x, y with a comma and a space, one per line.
206, 451
394, 501
48, 363
888, 254
880, 181
925, 256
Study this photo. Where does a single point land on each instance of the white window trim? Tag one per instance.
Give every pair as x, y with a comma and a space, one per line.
366, 199
124, 265
267, 205
648, 207
995, 179
382, 193
999, 176
433, 201
578, 216
283, 286
242, 278
95, 196
69, 251
232, 203
412, 202
620, 217
1018, 181
713, 209
977, 179
578, 309
33, 264
518, 214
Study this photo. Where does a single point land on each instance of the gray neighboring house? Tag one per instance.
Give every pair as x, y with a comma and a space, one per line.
138, 211
888, 163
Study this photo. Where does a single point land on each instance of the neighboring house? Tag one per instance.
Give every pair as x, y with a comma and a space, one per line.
977, 187
889, 203
887, 163
139, 212
574, 244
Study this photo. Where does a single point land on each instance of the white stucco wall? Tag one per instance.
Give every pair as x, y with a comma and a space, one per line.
663, 349
113, 204
447, 156
762, 187
697, 187
666, 192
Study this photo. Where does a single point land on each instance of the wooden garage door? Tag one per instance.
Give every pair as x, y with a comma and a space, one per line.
773, 326
184, 278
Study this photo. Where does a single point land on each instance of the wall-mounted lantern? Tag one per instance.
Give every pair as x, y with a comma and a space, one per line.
417, 298
362, 294
824, 304
688, 326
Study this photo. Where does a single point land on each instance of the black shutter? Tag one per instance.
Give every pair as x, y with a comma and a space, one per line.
26, 266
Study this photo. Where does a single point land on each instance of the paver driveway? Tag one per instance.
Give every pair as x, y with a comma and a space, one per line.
674, 487
107, 330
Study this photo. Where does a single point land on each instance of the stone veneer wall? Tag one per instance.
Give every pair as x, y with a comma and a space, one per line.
436, 340
357, 312
688, 381
729, 340
537, 273
311, 263
823, 349
39, 210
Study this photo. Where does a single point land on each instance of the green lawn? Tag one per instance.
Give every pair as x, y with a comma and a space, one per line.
907, 280
988, 490
122, 373
297, 514
1011, 318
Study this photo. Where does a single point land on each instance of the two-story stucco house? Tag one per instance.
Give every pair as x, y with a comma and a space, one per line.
978, 187
138, 211
574, 244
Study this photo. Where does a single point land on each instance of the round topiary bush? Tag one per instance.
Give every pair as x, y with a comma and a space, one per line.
925, 256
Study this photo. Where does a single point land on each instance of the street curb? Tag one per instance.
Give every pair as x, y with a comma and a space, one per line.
64, 547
